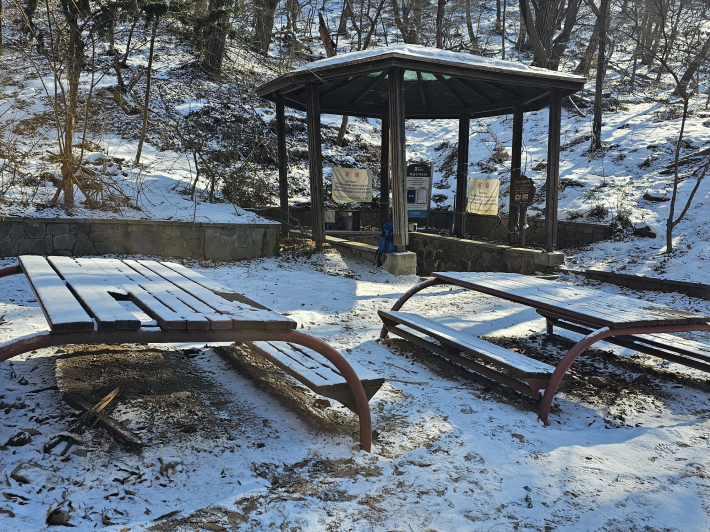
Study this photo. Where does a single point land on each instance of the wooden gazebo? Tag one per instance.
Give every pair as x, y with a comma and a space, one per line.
410, 81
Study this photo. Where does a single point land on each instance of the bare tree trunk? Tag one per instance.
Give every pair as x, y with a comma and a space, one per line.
74, 62
599, 86
264, 11
217, 37
440, 23
469, 26
702, 56
149, 77
502, 32
586, 61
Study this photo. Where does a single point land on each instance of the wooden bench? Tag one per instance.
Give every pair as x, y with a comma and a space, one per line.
112, 301
453, 344
666, 346
309, 368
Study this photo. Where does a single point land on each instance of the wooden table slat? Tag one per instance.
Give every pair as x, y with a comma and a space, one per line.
62, 311
600, 308
93, 289
243, 315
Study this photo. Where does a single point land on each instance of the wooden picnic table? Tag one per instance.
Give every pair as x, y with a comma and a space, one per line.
599, 315
112, 301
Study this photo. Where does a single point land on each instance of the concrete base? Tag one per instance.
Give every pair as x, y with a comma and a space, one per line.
403, 263
550, 260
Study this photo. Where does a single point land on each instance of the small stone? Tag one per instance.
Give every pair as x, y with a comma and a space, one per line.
80, 452
19, 439
599, 382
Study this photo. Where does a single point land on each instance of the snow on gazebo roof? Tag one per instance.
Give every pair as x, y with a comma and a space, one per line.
436, 55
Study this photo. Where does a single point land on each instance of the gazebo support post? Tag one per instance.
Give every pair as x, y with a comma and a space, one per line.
398, 158
282, 161
315, 162
385, 171
553, 168
515, 172
462, 176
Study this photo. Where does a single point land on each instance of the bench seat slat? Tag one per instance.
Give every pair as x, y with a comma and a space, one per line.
312, 370
519, 364
62, 311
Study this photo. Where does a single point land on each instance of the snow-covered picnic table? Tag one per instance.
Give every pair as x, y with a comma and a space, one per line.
112, 301
599, 315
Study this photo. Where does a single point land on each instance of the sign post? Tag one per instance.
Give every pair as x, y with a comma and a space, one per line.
418, 190
522, 192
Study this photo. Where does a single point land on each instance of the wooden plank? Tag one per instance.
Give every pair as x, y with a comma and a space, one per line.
61, 309
581, 303
311, 369
515, 362
196, 314
243, 317
93, 288
198, 278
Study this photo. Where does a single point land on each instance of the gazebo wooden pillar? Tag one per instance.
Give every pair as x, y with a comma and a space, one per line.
385, 171
282, 161
462, 176
515, 171
398, 158
315, 163
553, 168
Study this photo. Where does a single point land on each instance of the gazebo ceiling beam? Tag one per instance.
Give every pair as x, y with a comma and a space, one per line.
421, 89
369, 88
476, 92
336, 87
451, 91
507, 91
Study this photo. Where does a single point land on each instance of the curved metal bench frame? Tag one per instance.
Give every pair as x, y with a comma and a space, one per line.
571, 355
44, 339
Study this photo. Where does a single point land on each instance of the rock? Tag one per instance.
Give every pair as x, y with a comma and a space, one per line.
19, 439
657, 199
642, 379
599, 382
644, 230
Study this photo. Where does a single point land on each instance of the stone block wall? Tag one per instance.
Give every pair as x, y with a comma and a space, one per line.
442, 253
182, 240
569, 234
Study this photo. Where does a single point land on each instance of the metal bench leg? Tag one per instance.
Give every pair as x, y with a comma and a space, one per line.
593, 338
348, 373
409, 293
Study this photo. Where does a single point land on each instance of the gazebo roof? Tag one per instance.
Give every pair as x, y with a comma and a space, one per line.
437, 83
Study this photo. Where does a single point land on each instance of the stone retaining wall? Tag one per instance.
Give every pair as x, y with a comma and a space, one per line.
443, 253
182, 240
569, 234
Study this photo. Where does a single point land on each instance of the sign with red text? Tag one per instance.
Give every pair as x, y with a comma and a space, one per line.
352, 184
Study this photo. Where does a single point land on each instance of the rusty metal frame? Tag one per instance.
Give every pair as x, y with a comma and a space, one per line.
551, 386
44, 339
409, 293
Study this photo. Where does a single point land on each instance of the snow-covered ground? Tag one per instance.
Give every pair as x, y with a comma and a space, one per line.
451, 452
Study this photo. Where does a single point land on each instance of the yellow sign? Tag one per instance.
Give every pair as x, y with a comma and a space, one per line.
352, 184
483, 196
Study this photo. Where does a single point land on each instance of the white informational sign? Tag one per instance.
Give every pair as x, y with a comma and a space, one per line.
483, 196
352, 184
418, 189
